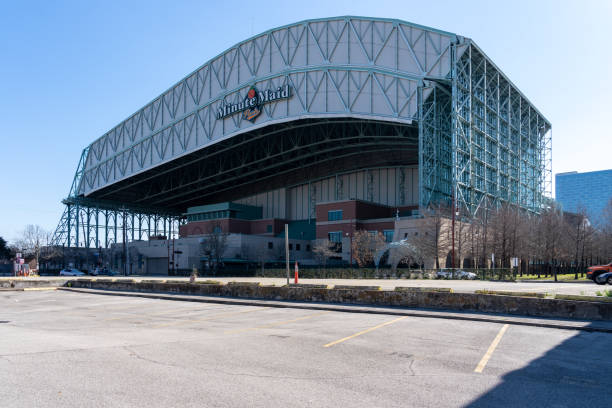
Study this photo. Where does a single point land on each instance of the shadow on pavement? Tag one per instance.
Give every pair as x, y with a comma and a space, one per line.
576, 373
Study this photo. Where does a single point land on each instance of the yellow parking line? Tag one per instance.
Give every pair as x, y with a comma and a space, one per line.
492, 347
187, 321
333, 343
265, 326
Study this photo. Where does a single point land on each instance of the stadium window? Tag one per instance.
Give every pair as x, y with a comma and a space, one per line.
388, 235
297, 247
405, 235
307, 247
335, 215
270, 245
335, 236
291, 247
269, 228
217, 229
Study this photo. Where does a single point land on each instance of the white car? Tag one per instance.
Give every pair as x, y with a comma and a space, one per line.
458, 274
71, 272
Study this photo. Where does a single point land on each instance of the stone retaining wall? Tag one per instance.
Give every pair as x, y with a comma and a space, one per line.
30, 283
526, 306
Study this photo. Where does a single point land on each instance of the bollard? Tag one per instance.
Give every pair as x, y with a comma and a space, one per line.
296, 272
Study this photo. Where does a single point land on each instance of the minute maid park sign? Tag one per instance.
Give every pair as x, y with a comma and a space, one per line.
253, 103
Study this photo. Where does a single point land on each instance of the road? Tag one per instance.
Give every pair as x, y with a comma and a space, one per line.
73, 350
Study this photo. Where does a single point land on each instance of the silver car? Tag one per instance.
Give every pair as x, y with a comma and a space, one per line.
458, 274
71, 272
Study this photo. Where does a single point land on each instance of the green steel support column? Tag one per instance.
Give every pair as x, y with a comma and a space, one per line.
87, 225
97, 227
76, 238
105, 228
69, 221
139, 220
132, 226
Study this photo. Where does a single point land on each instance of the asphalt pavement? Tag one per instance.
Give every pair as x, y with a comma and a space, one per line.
69, 349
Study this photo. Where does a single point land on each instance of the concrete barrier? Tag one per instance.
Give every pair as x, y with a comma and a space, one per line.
17, 283
473, 302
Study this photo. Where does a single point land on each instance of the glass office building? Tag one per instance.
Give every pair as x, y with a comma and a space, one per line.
591, 191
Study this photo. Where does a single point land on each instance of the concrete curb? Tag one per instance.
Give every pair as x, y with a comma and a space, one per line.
588, 326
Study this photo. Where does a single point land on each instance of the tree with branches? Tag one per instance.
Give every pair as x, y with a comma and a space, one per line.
33, 239
214, 244
365, 245
322, 251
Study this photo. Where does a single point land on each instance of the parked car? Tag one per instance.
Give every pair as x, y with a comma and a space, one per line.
102, 272
71, 272
604, 278
458, 274
594, 271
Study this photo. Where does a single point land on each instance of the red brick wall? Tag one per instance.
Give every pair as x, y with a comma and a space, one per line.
352, 213
260, 227
351, 227
348, 210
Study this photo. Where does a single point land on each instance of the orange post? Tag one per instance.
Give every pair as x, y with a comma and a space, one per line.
296, 272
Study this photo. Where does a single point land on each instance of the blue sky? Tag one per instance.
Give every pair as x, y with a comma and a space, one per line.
69, 71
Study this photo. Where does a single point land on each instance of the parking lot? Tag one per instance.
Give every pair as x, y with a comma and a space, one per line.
74, 349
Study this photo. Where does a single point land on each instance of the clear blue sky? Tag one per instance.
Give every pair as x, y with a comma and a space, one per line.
69, 71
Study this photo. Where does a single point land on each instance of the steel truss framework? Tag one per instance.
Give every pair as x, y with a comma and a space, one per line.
360, 86
338, 67
482, 141
93, 223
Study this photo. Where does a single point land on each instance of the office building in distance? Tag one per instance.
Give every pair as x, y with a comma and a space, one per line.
590, 191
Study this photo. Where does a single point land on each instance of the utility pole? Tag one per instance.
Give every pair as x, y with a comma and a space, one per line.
287, 250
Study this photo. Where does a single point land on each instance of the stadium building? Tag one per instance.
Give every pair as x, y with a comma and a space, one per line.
330, 125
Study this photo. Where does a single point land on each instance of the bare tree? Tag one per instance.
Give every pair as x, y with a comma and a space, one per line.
433, 237
33, 238
552, 228
505, 233
214, 244
322, 251
365, 245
